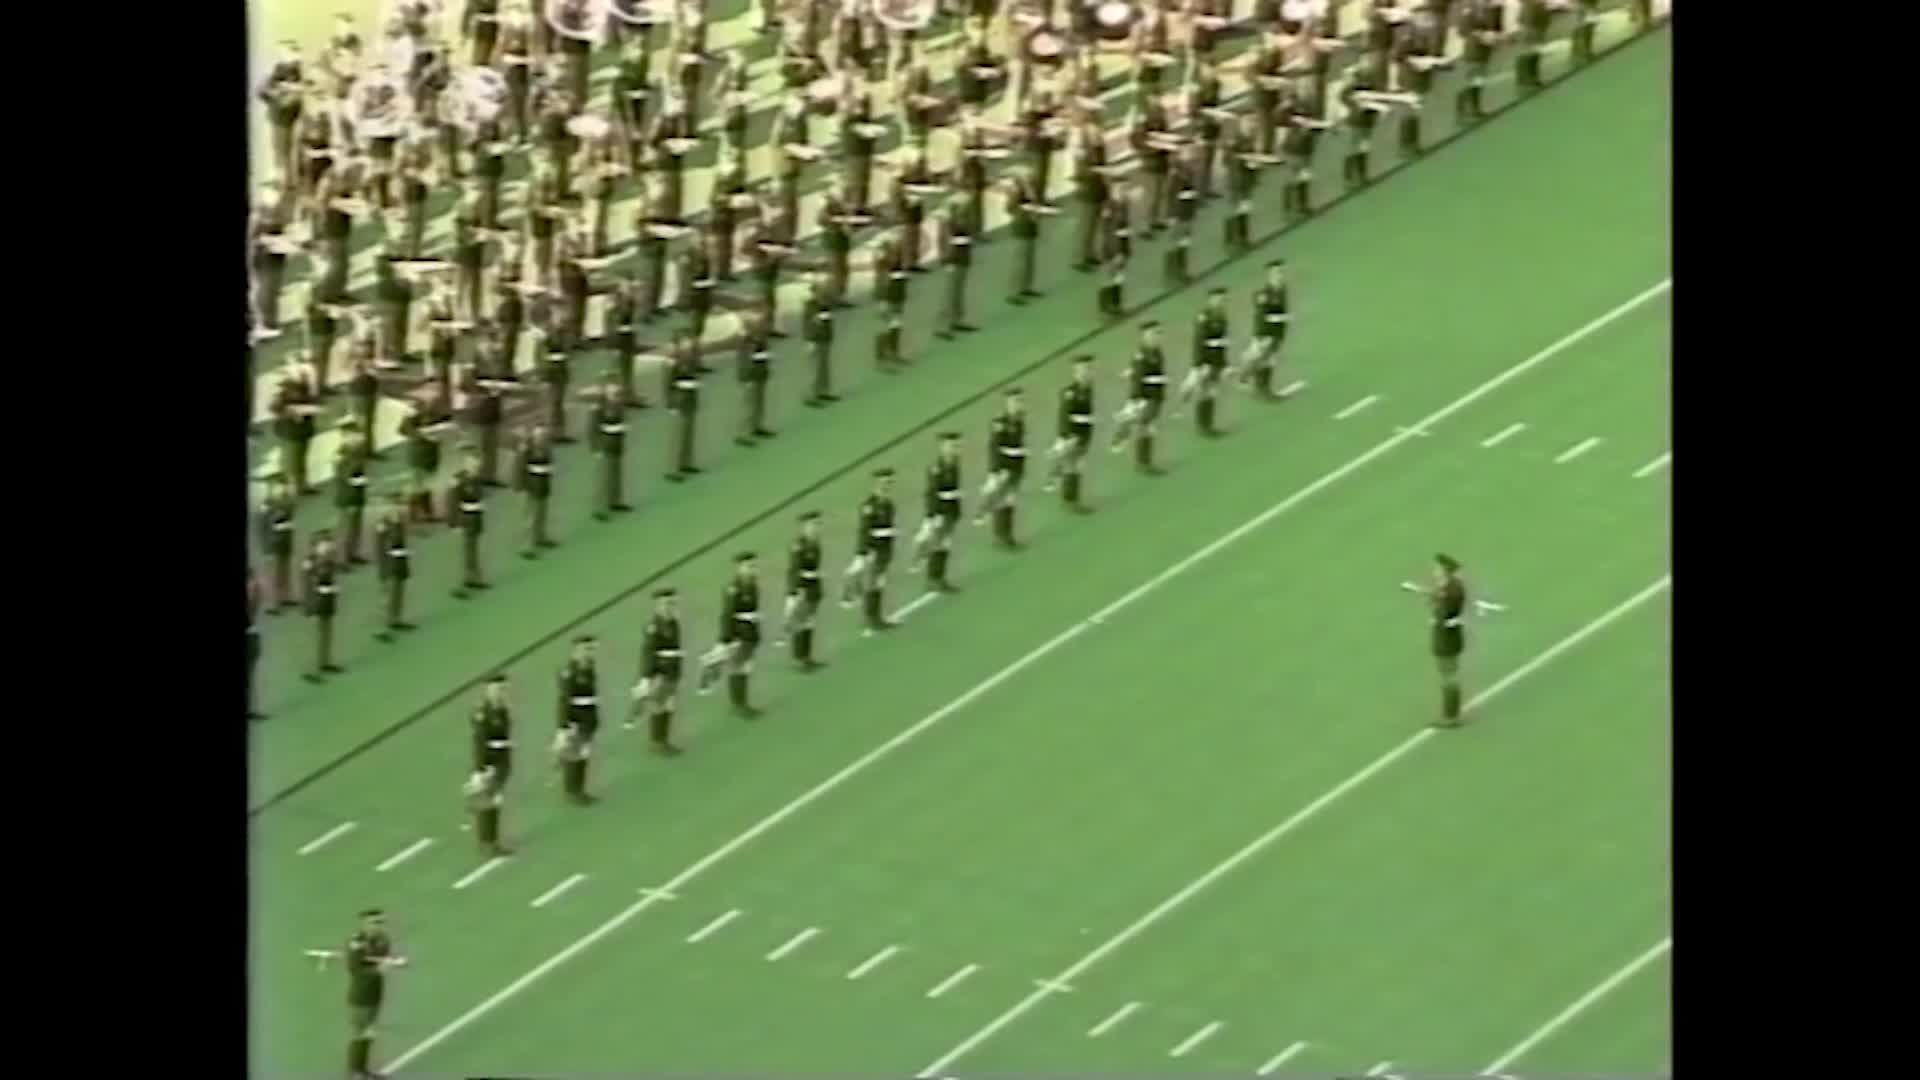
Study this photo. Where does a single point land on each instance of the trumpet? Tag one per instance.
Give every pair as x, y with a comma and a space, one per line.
581, 20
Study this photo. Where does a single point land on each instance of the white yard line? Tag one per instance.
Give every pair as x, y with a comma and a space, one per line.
914, 605
1281, 1058
1358, 406
712, 928
1586, 1001
985, 686
404, 854
1186, 1045
1653, 466
1261, 842
1503, 435
953, 980
1380, 1069
1113, 1021
1293, 388
1577, 449
795, 942
479, 872
327, 837
873, 961
554, 893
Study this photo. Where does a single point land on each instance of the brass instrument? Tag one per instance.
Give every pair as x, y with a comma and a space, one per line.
581, 20
904, 15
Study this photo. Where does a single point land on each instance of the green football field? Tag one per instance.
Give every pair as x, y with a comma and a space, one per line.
1152, 794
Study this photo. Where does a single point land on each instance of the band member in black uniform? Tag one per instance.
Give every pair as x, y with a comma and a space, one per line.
837, 221
609, 428
283, 94
933, 544
1117, 227
658, 690
1090, 180
1302, 137
1362, 118
772, 243
909, 207
817, 327
859, 137
468, 500
729, 200
1536, 26
276, 540
480, 29
1447, 599
422, 429
319, 571
1204, 105
804, 589
369, 955
270, 248
1186, 203
1074, 432
673, 139
632, 90
253, 640
294, 406
1243, 162
1146, 393
1419, 49
696, 289
363, 390
685, 402
890, 288
1024, 208
654, 232
1482, 26
396, 564
1211, 339
350, 490
974, 154
1271, 318
957, 236
533, 474
873, 552
1269, 88
485, 412
623, 340
1006, 466
739, 634
579, 685
492, 737
1153, 141
556, 371
755, 367
1037, 137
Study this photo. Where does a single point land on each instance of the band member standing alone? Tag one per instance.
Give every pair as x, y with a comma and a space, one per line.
1447, 602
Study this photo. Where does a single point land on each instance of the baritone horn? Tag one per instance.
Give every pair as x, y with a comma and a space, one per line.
581, 20
380, 106
905, 15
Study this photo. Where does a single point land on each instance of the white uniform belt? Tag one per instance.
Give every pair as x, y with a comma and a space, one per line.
883, 531
470, 507
584, 699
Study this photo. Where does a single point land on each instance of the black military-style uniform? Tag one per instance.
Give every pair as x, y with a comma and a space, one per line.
322, 596
1362, 120
1207, 93
1243, 176
1186, 203
838, 237
1007, 461
366, 990
755, 362
858, 149
1147, 383
817, 319
609, 420
622, 310
696, 273
1075, 432
556, 371
1039, 143
875, 547
579, 723
1270, 320
959, 233
470, 505
740, 632
653, 252
276, 539
1303, 135
890, 287
486, 411
1095, 190
1211, 338
909, 211
350, 496
685, 376
942, 517
661, 660
1536, 24
1482, 23
534, 475
423, 461
492, 734
363, 389
804, 592
973, 181
1021, 201
295, 430
1118, 226
396, 566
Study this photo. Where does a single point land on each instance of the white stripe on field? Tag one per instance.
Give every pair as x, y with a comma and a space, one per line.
1503, 434
553, 894
1280, 1058
794, 942
1653, 466
953, 980
985, 686
711, 928
1108, 1024
408, 852
1380, 1069
479, 872
1195, 1039
1577, 449
327, 837
873, 961
1607, 986
1357, 406
914, 605
1307, 812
